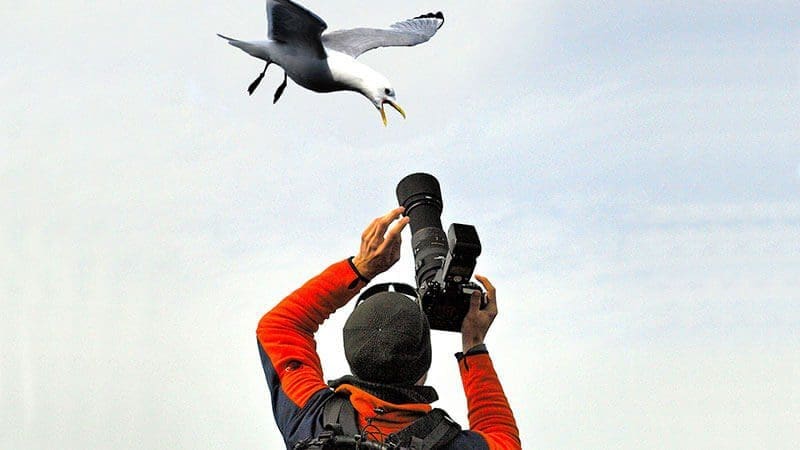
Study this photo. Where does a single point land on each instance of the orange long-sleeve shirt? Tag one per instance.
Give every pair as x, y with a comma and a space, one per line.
294, 373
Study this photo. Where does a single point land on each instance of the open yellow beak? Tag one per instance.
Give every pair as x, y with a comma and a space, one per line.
395, 106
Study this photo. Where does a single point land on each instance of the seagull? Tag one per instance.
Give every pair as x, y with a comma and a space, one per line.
327, 62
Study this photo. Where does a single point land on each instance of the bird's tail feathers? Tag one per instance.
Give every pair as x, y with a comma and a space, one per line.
248, 47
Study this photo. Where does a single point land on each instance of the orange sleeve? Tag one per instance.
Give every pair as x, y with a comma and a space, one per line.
286, 333
489, 412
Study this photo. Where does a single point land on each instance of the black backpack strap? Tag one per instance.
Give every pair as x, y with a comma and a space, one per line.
431, 431
339, 410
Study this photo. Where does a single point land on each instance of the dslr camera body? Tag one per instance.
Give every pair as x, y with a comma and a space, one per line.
443, 263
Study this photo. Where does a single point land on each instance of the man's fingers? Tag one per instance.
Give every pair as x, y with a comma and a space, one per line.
486, 284
393, 235
384, 221
491, 293
376, 238
391, 215
474, 302
377, 227
371, 231
395, 231
380, 250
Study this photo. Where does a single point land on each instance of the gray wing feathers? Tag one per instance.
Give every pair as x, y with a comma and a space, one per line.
401, 34
290, 23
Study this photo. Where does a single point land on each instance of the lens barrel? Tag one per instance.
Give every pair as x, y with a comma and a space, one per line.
420, 195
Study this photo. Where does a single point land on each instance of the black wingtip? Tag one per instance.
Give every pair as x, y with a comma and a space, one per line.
436, 15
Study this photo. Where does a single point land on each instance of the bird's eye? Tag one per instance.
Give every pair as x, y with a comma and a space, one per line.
387, 91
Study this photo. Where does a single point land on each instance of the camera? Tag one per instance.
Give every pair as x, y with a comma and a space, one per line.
443, 263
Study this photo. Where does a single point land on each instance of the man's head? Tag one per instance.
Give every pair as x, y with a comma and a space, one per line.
387, 339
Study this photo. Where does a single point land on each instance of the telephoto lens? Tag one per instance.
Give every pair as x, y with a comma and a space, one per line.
443, 263
420, 195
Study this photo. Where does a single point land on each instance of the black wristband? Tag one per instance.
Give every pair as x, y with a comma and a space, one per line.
476, 350
360, 276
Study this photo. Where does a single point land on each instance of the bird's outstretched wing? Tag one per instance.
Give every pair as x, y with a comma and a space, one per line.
292, 24
406, 33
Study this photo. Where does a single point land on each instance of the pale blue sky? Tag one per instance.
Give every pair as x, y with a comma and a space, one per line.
632, 169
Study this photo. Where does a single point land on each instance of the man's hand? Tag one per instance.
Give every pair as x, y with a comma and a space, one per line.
380, 249
477, 321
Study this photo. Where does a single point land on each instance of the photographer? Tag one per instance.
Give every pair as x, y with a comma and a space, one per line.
388, 347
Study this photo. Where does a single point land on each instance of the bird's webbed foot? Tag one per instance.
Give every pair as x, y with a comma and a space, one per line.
257, 81
280, 89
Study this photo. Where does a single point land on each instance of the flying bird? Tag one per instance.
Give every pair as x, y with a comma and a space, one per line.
327, 62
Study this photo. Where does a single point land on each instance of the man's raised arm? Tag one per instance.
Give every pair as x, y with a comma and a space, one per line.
489, 411
286, 333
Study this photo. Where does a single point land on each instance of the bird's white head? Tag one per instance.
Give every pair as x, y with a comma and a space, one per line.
380, 92
354, 76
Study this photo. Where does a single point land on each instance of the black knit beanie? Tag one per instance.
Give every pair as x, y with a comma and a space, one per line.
387, 339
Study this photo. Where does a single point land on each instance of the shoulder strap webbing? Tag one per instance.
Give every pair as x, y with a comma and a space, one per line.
339, 410
428, 432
